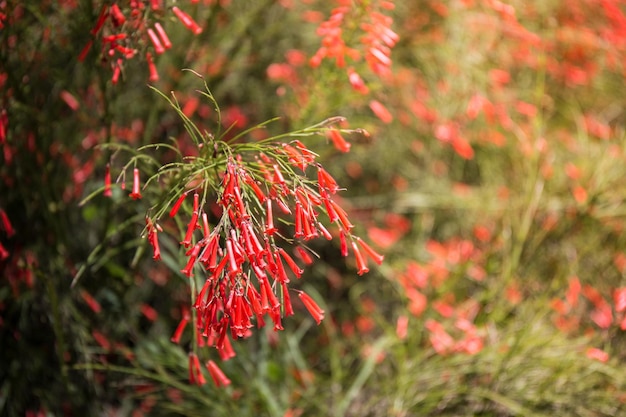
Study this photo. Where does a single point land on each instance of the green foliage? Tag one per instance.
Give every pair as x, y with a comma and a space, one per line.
491, 179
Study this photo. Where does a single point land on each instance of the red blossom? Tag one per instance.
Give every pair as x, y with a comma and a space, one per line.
180, 328
361, 264
154, 75
219, 378
156, 42
338, 141
195, 372
93, 304
597, 354
167, 44
107, 181
316, 312
6, 224
619, 298
136, 192
117, 17
371, 253
177, 204
187, 21
381, 111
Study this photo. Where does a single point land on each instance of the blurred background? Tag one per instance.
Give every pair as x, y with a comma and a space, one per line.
492, 179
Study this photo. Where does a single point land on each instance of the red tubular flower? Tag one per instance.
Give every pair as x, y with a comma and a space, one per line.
6, 224
101, 339
177, 205
155, 246
190, 228
324, 231
269, 257
374, 256
85, 51
309, 232
232, 261
181, 327
309, 156
187, 21
107, 181
117, 17
281, 205
167, 44
149, 312
619, 298
117, 70
155, 4
269, 226
136, 193
153, 238
226, 352
298, 219
209, 255
280, 270
304, 255
360, 261
219, 378
93, 304
100, 22
195, 372
326, 181
255, 302
278, 177
381, 111
316, 312
286, 300
343, 243
205, 226
255, 187
275, 316
4, 254
188, 270
597, 354
156, 42
258, 248
154, 75
292, 264
357, 82
271, 297
240, 204
343, 216
340, 143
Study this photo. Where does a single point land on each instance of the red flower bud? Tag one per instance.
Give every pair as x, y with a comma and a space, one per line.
136, 193
360, 261
181, 326
316, 312
167, 44
338, 140
107, 181
376, 257
177, 205
6, 224
195, 372
219, 378
187, 21
117, 17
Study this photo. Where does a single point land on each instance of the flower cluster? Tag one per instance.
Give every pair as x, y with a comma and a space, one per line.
247, 272
125, 28
375, 45
247, 204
